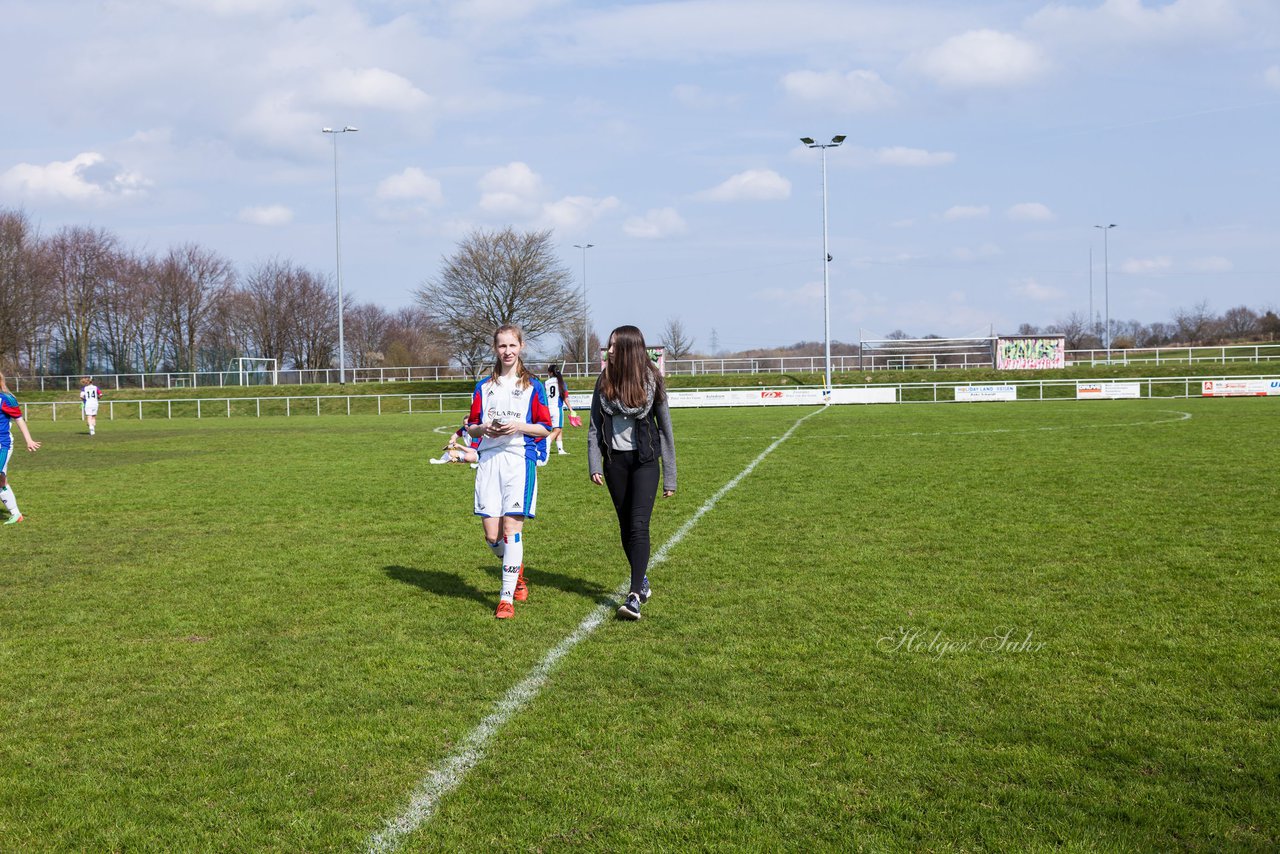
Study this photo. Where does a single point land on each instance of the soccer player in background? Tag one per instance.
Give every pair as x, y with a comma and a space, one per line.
509, 416
558, 400
89, 396
10, 413
630, 431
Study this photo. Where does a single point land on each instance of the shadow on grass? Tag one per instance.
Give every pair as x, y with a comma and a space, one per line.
566, 583
440, 583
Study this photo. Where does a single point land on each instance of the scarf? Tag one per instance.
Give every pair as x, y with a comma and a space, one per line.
617, 407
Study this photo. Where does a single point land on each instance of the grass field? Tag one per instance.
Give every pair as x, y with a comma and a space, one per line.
964, 627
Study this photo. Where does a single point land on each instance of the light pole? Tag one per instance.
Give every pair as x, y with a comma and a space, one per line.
1106, 285
826, 255
337, 241
586, 357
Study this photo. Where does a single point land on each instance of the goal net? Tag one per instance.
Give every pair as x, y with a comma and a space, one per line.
257, 371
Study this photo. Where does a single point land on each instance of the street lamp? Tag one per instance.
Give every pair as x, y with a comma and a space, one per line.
586, 357
337, 240
826, 255
1106, 285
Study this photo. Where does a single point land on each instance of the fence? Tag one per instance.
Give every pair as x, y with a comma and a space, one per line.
381, 404
920, 359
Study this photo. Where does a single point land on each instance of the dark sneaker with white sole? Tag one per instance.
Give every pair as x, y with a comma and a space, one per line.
630, 608
645, 591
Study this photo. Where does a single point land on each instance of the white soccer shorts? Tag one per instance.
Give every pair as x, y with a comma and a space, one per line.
506, 485
91, 407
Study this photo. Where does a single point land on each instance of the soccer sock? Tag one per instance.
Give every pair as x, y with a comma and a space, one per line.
11, 503
559, 444
497, 548
511, 562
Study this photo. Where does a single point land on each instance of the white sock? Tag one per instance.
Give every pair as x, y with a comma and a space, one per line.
10, 503
559, 445
511, 567
497, 548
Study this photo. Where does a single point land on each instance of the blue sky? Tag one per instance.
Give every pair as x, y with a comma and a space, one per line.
985, 139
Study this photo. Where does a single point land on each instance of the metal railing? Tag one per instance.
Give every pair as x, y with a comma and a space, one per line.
689, 367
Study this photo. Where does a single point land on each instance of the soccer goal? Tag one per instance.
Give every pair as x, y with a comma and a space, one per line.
257, 371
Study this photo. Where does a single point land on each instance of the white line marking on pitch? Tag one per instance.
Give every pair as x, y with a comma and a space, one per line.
450, 773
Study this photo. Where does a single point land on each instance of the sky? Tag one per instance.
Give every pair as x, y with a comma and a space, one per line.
985, 140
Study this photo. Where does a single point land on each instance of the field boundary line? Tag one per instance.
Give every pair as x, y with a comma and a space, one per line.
451, 772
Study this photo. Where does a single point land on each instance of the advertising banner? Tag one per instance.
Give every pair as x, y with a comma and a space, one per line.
1031, 352
1108, 391
1238, 388
981, 393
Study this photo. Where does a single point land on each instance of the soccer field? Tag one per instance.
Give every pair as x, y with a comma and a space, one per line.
946, 627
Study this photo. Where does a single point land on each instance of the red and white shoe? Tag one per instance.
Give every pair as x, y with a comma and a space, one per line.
506, 610
522, 589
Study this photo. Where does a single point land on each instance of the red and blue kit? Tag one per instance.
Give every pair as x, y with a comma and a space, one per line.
507, 475
9, 410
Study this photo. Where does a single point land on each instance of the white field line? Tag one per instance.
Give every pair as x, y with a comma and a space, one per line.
450, 773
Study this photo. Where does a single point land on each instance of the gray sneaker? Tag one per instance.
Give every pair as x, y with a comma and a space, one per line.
630, 608
645, 591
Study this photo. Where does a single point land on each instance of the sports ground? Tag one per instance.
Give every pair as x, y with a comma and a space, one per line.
1000, 626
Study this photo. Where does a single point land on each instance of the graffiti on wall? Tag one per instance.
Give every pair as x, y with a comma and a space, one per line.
1031, 352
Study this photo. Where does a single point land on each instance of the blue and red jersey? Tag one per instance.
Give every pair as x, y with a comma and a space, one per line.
9, 410
494, 399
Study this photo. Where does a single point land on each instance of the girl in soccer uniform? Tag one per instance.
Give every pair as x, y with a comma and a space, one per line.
630, 431
10, 413
509, 416
90, 394
558, 399
458, 452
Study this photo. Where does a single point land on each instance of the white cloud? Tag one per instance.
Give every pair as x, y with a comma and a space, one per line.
511, 189
1212, 264
697, 98
901, 156
1031, 289
986, 250
1272, 77
372, 87
1030, 212
1133, 21
853, 92
958, 212
660, 222
983, 59
87, 177
1147, 266
810, 293
752, 185
266, 215
573, 213
411, 185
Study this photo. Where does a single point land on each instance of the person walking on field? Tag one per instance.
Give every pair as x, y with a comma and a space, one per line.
558, 400
630, 432
10, 413
90, 394
509, 416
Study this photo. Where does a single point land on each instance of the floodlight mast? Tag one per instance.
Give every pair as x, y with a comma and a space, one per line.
826, 256
586, 357
337, 240
1106, 285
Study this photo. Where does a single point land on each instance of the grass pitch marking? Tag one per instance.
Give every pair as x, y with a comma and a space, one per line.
451, 772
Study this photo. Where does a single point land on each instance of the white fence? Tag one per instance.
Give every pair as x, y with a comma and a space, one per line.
686, 367
384, 404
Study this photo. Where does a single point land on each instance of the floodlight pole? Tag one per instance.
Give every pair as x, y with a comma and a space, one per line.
1106, 285
586, 356
826, 257
337, 240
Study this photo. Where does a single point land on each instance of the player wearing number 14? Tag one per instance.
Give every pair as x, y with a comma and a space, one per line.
90, 394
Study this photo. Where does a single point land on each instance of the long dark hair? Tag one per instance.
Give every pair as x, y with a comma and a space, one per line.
523, 377
623, 378
554, 371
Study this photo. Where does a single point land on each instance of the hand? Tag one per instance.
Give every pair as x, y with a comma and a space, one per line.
597, 478
495, 430
667, 493
33, 446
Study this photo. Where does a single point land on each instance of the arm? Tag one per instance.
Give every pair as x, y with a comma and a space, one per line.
595, 461
32, 445
667, 440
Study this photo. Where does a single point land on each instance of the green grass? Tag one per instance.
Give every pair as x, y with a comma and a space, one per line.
260, 634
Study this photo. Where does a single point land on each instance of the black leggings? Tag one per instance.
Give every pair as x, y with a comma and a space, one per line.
633, 486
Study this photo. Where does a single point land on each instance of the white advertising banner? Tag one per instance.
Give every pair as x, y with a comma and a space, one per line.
978, 393
876, 394
1239, 388
581, 401
1108, 391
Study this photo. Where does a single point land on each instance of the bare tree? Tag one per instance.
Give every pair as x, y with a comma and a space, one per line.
190, 283
126, 325
1239, 323
413, 337
1071, 328
498, 277
80, 260
312, 328
1196, 325
23, 312
366, 328
270, 295
677, 342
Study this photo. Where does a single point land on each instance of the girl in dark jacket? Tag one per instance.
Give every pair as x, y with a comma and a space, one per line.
630, 431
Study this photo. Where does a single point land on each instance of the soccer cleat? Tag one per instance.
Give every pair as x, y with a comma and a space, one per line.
522, 589
506, 610
13, 520
435, 461
563, 451
645, 590
630, 608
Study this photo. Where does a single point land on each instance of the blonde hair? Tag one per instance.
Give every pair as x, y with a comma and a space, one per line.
523, 377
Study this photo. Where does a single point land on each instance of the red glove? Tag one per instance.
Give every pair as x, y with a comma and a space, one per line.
575, 421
